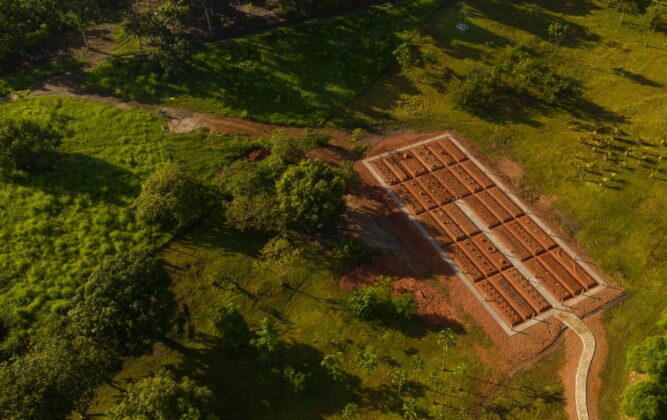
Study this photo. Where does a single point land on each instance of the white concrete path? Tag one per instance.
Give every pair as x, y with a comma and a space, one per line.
588, 340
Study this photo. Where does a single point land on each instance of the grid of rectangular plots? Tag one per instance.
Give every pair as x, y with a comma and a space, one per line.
428, 179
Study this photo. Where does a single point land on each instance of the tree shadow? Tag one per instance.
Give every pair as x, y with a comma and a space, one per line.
635, 77
246, 387
79, 174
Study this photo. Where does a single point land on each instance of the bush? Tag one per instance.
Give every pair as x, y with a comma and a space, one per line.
366, 303
646, 400
650, 358
406, 55
310, 195
404, 305
27, 146
297, 380
232, 326
125, 304
480, 88
163, 397
170, 197
375, 302
58, 375
253, 213
285, 151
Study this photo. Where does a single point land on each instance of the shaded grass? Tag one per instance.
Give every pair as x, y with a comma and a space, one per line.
29, 76
293, 75
620, 221
313, 323
57, 225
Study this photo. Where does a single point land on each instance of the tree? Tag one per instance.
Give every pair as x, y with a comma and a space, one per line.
80, 14
645, 400
310, 195
366, 303
164, 397
350, 412
446, 338
285, 151
557, 32
232, 326
297, 380
650, 358
418, 363
253, 213
27, 146
367, 359
406, 55
436, 382
398, 379
170, 197
333, 363
267, 339
125, 304
57, 375
480, 88
412, 409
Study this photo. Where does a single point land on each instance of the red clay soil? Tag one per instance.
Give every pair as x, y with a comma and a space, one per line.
376, 219
568, 371
257, 155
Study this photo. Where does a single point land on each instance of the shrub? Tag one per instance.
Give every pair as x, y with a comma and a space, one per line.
404, 305
650, 358
406, 55
27, 146
480, 88
125, 304
646, 400
253, 213
170, 197
297, 380
163, 397
244, 178
366, 303
267, 339
285, 150
310, 195
59, 374
232, 326
333, 363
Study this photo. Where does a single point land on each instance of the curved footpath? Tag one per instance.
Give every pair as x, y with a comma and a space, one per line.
588, 340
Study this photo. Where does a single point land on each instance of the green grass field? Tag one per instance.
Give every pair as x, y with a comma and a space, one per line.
57, 225
313, 322
293, 75
620, 221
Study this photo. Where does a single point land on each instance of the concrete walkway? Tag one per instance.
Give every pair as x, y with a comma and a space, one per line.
588, 340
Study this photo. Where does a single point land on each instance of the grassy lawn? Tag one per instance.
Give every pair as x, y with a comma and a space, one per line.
313, 323
611, 194
293, 75
57, 225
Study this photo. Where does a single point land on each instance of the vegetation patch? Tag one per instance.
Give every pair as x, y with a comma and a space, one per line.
59, 224
295, 75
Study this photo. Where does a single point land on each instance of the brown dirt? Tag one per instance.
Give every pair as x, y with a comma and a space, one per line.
509, 168
376, 219
257, 155
568, 371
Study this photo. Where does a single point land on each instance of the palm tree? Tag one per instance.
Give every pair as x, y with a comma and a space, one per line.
399, 378
446, 338
411, 409
435, 381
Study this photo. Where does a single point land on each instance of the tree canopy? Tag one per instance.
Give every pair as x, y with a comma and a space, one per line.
171, 196
164, 397
125, 304
310, 195
26, 145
